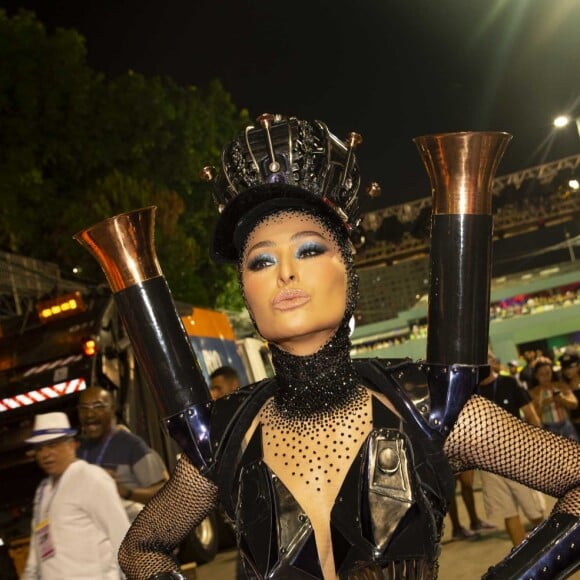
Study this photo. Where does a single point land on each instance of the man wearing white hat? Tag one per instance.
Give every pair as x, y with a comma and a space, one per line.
78, 521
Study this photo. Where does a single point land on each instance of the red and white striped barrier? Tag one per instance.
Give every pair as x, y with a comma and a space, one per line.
61, 362
42, 394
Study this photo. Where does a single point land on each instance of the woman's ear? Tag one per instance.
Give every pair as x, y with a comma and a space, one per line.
351, 248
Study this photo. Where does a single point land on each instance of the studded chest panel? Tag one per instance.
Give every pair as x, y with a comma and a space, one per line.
318, 471
314, 454
375, 489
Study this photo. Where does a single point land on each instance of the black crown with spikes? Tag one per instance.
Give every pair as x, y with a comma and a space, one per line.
297, 153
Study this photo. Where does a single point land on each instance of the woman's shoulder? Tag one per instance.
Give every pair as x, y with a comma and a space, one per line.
379, 372
241, 396
398, 379
239, 408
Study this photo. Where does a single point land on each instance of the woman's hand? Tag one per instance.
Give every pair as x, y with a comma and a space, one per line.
565, 398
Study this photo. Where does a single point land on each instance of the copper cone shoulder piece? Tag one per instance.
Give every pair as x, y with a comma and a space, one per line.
124, 247
461, 168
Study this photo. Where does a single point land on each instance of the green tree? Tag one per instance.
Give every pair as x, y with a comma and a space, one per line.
78, 147
45, 93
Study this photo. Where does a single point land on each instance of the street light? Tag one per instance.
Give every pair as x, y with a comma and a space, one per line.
564, 120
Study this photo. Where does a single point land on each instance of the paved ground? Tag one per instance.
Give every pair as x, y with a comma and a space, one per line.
465, 560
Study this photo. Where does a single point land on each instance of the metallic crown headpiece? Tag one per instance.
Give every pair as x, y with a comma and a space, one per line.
287, 151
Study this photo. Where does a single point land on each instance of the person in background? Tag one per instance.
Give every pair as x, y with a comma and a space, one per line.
78, 522
553, 400
514, 372
476, 524
570, 376
223, 381
526, 375
502, 496
137, 469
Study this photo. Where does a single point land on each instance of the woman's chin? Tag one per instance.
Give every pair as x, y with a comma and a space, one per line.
304, 344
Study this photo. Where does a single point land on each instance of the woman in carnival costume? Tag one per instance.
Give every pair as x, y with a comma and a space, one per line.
338, 468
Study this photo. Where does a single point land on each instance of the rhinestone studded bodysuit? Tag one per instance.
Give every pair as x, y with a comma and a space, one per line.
327, 475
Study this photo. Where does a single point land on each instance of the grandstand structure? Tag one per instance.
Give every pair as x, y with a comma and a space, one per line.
536, 223
538, 309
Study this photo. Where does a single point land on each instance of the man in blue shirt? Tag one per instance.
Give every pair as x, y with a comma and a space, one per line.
137, 469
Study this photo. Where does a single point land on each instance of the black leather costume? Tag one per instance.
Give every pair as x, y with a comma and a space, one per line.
386, 517
274, 534
390, 509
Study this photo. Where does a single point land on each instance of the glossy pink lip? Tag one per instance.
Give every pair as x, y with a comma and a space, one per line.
290, 298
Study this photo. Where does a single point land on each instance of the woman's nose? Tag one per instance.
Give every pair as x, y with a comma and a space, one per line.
287, 271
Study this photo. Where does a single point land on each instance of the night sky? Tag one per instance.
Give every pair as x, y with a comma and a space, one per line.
389, 69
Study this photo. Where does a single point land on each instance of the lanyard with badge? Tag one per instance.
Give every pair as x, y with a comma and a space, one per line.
99, 458
42, 527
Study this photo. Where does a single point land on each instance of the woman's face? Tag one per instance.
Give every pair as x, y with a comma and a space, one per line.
543, 375
295, 282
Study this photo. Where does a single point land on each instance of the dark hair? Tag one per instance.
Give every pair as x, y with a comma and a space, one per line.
225, 371
568, 359
538, 364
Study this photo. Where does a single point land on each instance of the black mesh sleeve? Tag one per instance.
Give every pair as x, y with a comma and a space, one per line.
487, 437
181, 504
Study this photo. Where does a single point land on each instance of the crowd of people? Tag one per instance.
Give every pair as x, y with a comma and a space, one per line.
536, 393
540, 302
97, 482
551, 382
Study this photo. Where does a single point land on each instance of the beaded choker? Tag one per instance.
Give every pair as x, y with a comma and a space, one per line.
318, 384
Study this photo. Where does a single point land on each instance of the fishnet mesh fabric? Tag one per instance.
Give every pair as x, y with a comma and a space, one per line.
484, 437
489, 438
178, 508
